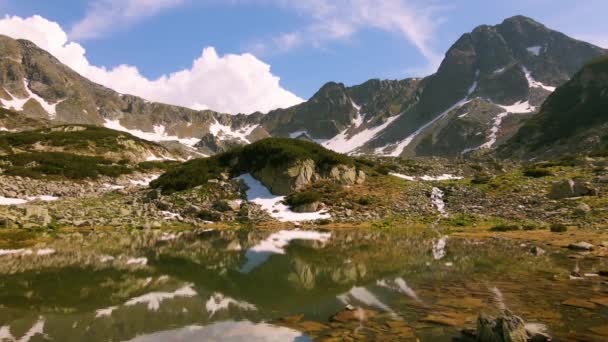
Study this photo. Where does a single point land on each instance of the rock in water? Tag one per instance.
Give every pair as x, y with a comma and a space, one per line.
506, 328
581, 246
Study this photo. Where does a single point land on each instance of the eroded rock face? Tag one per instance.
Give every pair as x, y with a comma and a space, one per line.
285, 179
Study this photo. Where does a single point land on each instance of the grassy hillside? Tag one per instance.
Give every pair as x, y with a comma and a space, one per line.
60, 165
80, 139
246, 159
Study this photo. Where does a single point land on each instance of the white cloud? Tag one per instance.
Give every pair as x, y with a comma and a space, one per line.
105, 16
229, 83
340, 19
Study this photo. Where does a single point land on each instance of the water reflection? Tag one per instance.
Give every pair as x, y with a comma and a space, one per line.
231, 285
229, 331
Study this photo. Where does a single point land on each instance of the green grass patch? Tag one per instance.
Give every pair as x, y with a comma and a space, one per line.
558, 228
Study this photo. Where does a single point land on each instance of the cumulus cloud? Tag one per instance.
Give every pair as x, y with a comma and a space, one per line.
340, 19
105, 16
229, 83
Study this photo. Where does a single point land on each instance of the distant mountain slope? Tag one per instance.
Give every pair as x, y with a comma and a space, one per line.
84, 140
491, 81
511, 67
574, 119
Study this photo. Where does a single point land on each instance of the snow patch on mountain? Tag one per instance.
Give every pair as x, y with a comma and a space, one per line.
18, 104
158, 135
499, 70
224, 132
397, 149
534, 83
297, 134
342, 143
519, 107
535, 50
257, 193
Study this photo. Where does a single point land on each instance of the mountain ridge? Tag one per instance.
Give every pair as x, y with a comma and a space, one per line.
510, 67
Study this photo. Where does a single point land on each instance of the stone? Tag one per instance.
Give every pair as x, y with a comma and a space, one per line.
569, 188
352, 314
285, 179
537, 251
312, 326
579, 303
222, 206
581, 246
446, 318
601, 330
38, 215
506, 327
603, 301
461, 302
582, 209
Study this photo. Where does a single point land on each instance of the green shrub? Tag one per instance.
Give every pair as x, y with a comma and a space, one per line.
461, 220
302, 198
209, 215
157, 165
536, 172
364, 201
505, 228
61, 165
481, 179
385, 169
531, 226
558, 228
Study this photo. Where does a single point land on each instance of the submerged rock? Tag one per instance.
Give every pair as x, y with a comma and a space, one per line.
507, 327
581, 246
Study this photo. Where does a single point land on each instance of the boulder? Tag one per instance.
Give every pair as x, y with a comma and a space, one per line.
285, 179
582, 209
38, 215
570, 188
505, 328
581, 246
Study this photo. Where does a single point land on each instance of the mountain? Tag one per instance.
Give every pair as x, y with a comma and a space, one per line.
491, 81
488, 74
574, 119
37, 85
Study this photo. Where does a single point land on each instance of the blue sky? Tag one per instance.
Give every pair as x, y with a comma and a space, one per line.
306, 44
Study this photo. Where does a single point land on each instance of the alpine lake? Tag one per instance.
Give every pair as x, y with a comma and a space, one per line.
404, 284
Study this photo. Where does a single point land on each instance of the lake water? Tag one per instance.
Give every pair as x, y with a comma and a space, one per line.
248, 285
